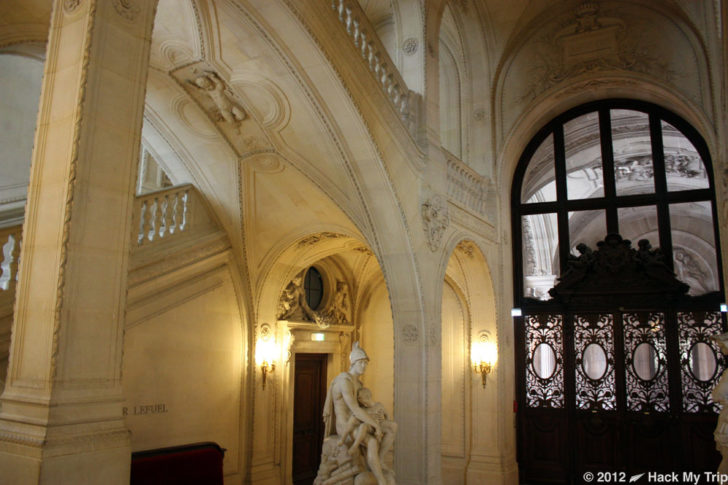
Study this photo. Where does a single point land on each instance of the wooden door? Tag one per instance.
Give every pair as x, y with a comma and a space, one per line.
308, 427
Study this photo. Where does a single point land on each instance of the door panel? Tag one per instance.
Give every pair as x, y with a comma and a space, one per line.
308, 403
625, 391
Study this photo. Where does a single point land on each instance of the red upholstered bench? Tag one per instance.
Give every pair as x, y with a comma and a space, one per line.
193, 464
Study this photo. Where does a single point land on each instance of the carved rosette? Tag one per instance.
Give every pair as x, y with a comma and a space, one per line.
436, 219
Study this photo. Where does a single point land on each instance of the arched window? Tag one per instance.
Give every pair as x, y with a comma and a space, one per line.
615, 167
615, 361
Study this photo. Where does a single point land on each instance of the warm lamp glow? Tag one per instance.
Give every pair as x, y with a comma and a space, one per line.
265, 356
484, 356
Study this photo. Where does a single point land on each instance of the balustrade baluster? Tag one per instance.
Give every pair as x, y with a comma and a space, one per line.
357, 32
156, 219
186, 209
348, 20
167, 216
145, 226
383, 76
173, 225
15, 259
341, 10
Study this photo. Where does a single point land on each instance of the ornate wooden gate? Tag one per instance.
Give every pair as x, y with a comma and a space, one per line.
615, 372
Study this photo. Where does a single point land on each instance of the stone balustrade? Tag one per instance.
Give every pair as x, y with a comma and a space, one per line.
163, 214
380, 64
467, 188
10, 238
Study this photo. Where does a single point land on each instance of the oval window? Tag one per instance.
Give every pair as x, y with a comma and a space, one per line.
313, 286
645, 361
594, 361
544, 361
703, 363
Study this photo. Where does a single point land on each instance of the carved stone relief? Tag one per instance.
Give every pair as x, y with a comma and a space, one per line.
593, 42
224, 107
292, 304
436, 219
467, 248
126, 9
69, 6
599, 40
315, 238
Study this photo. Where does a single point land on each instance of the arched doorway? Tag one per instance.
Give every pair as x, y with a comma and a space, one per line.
615, 364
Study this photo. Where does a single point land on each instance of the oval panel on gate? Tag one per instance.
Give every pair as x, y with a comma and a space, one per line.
594, 361
703, 363
645, 361
544, 360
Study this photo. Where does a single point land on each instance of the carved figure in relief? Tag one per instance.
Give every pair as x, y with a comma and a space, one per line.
228, 110
436, 218
341, 408
339, 312
720, 395
292, 303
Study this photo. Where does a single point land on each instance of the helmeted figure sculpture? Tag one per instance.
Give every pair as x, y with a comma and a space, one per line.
358, 432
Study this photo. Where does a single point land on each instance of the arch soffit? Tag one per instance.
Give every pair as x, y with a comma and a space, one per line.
25, 22
615, 83
301, 250
274, 118
474, 284
345, 127
376, 181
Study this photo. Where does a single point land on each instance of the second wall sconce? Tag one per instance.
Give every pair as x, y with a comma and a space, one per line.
483, 355
266, 351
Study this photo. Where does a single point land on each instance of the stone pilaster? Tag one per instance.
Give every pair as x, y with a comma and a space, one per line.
61, 420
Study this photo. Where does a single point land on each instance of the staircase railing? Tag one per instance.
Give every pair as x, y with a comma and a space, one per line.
163, 214
372, 50
467, 188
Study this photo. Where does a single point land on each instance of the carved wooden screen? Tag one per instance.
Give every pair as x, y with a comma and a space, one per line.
615, 362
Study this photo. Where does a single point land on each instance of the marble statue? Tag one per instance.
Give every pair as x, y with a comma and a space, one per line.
228, 110
720, 395
357, 431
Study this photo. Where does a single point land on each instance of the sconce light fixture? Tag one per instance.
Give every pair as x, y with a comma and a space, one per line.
265, 352
484, 355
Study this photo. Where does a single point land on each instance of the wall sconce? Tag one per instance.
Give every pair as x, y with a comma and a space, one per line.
265, 351
484, 355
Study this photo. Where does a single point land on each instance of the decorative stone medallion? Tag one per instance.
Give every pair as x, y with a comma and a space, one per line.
409, 46
410, 334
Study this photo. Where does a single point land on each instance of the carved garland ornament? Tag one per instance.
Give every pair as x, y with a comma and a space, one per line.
436, 218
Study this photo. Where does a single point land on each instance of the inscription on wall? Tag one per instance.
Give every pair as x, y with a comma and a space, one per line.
148, 409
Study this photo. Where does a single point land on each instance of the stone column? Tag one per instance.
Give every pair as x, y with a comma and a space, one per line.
60, 420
